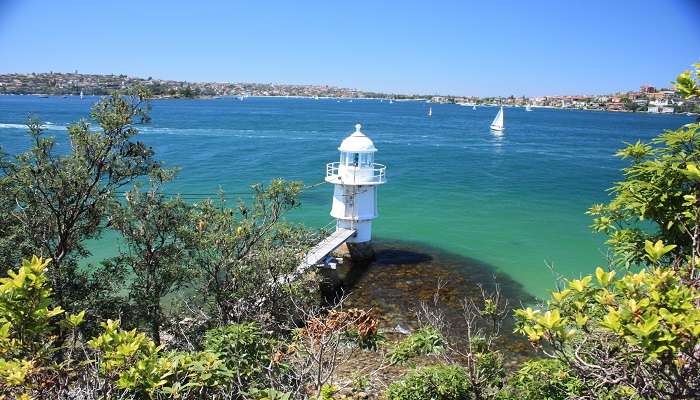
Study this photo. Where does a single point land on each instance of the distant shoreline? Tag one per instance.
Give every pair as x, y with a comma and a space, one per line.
347, 99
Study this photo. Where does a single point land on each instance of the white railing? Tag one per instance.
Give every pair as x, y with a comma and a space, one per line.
350, 174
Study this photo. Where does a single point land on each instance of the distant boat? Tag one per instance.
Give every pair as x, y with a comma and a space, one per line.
474, 107
315, 97
391, 101
497, 124
527, 108
81, 95
430, 111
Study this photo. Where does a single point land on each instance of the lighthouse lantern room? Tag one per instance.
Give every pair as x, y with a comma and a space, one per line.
356, 178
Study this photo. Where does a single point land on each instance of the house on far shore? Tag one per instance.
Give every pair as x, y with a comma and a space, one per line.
615, 106
662, 106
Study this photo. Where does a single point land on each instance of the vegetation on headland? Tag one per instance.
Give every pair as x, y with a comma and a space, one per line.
94, 84
204, 300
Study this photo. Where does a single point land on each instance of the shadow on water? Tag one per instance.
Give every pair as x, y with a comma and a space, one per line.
404, 274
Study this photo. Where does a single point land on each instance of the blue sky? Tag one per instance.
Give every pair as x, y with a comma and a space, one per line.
450, 47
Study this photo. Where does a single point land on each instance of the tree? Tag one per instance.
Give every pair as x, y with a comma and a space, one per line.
652, 201
155, 256
60, 200
637, 335
246, 257
13, 240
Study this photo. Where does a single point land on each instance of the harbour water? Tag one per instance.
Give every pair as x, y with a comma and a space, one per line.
489, 204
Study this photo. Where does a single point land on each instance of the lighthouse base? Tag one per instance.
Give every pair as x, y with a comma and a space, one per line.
358, 253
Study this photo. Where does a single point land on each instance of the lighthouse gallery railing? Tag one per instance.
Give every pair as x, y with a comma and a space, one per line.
377, 174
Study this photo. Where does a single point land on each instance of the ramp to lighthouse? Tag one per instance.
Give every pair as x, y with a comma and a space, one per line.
324, 247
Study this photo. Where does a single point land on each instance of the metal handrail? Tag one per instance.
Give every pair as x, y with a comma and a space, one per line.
378, 172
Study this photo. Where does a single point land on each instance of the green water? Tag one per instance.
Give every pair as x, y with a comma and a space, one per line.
507, 204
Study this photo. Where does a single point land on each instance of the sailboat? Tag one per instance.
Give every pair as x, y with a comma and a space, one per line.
81, 95
430, 111
527, 108
497, 124
474, 107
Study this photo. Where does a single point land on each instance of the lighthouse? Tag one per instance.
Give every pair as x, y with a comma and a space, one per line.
356, 178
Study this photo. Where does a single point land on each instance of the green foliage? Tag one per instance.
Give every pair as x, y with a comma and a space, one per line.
132, 357
436, 383
239, 262
55, 201
649, 318
542, 380
30, 327
489, 373
195, 373
153, 230
244, 349
27, 318
688, 83
360, 382
141, 368
649, 309
268, 394
25, 321
421, 342
245, 257
656, 199
327, 392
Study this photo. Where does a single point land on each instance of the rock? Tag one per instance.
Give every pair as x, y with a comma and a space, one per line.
361, 253
400, 329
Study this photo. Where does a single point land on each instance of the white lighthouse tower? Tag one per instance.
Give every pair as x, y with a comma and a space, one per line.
356, 178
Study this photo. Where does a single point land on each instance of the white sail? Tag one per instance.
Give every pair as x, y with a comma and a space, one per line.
473, 107
430, 111
527, 108
497, 124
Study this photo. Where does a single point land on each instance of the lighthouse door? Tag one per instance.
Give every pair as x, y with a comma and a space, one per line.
350, 210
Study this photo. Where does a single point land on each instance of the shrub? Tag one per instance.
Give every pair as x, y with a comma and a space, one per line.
421, 342
641, 330
130, 358
267, 394
436, 383
31, 332
244, 349
140, 368
327, 392
489, 374
542, 380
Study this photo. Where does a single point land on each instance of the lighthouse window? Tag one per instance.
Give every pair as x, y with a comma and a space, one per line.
355, 159
366, 159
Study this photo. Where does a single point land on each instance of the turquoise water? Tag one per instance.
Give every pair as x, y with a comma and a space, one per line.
512, 202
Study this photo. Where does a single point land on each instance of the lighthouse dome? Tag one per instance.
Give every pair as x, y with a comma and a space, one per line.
357, 143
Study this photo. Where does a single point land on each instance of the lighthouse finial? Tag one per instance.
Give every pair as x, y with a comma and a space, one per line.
357, 127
